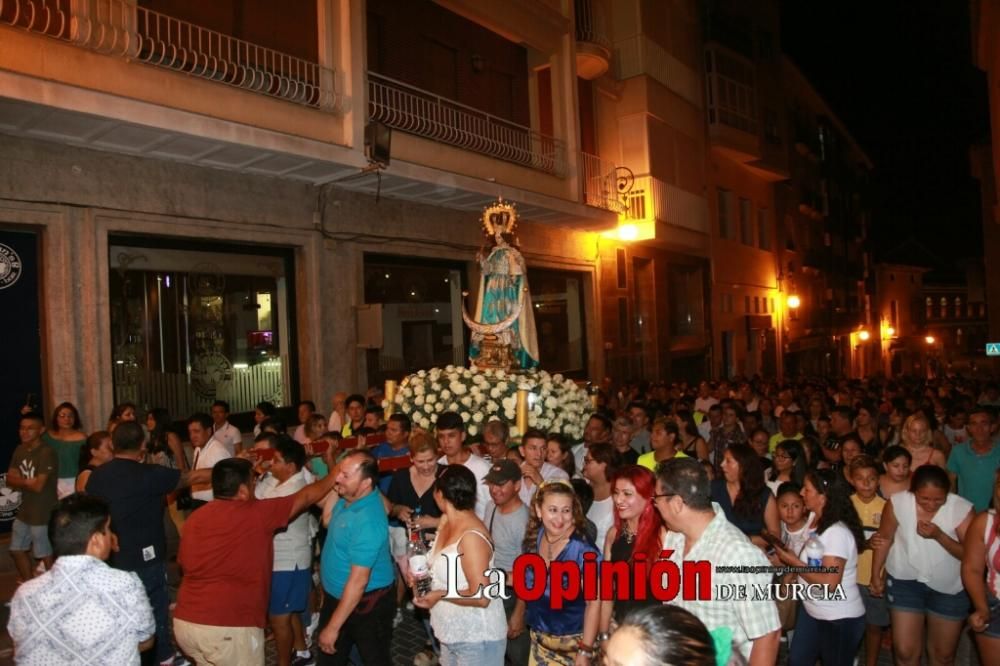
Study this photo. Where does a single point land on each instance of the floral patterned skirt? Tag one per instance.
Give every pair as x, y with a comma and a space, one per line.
551, 650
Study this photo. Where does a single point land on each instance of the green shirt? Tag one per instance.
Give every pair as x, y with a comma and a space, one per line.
68, 454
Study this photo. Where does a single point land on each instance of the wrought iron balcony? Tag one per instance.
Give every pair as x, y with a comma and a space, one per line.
593, 46
601, 184
414, 111
120, 28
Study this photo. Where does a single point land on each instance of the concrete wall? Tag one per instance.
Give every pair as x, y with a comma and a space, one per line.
78, 197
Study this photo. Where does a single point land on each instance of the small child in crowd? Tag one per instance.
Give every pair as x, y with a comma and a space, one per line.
864, 477
897, 461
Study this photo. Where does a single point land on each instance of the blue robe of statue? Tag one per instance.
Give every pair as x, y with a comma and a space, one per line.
502, 286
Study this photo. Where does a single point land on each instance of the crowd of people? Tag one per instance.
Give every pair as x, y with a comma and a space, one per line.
328, 532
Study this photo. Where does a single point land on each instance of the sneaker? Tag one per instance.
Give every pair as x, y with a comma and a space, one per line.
426, 658
303, 659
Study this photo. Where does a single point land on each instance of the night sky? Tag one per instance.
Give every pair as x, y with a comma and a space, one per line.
899, 74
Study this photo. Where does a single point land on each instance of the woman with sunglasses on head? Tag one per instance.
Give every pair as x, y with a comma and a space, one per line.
981, 576
924, 529
566, 636
828, 630
637, 529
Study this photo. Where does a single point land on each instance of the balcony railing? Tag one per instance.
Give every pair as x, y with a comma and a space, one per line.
590, 24
415, 111
120, 28
651, 199
600, 184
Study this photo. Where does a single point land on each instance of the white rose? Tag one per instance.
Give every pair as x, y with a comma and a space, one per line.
502, 386
445, 394
551, 403
473, 430
435, 386
418, 389
453, 407
421, 373
419, 400
449, 368
509, 413
477, 417
416, 416
494, 392
458, 388
425, 424
465, 417
466, 401
430, 399
508, 402
492, 407
514, 432
476, 392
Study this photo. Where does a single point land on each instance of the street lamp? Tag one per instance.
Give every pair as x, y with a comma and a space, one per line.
794, 302
890, 331
929, 339
863, 335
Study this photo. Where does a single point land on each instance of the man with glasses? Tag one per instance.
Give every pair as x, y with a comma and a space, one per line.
698, 530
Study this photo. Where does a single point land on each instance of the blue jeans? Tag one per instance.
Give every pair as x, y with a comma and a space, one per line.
832, 642
154, 579
480, 653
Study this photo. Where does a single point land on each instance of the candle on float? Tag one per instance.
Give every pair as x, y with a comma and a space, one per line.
390, 396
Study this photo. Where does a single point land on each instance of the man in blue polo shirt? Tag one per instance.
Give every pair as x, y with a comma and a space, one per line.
396, 445
356, 568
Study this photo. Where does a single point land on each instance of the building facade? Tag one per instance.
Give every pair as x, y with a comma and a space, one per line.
985, 158
244, 200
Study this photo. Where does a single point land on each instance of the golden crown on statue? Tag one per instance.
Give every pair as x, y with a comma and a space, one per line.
501, 214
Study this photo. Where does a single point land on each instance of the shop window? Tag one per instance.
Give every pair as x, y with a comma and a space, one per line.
191, 327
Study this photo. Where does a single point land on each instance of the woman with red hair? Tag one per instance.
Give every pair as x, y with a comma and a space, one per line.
637, 530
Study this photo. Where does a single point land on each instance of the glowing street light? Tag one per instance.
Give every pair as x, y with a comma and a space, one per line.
890, 331
929, 339
794, 302
864, 335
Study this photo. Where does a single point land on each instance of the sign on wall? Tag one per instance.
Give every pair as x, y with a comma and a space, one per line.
20, 353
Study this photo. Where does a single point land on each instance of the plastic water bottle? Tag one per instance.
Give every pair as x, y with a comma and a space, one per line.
813, 552
416, 553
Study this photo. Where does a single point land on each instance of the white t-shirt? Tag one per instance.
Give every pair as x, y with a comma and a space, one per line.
480, 468
796, 541
602, 514
838, 541
230, 436
579, 451
205, 458
704, 404
548, 473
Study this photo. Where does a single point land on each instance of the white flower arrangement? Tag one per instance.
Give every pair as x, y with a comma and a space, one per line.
556, 404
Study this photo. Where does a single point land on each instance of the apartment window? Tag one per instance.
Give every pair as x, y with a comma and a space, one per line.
746, 227
746, 305
944, 307
763, 229
559, 319
620, 268
930, 307
958, 306
726, 229
763, 303
756, 304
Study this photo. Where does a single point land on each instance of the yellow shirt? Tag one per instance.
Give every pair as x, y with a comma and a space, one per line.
871, 516
778, 438
648, 460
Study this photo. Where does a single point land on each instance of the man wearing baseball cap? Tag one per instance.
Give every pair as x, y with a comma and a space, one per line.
507, 519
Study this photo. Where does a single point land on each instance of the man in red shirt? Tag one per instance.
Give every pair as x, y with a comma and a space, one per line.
226, 555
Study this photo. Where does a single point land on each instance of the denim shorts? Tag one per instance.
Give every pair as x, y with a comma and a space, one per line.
993, 628
876, 608
289, 591
24, 537
915, 597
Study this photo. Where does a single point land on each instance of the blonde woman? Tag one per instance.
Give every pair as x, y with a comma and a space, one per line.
918, 439
563, 637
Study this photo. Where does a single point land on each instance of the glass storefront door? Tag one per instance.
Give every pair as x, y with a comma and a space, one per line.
190, 326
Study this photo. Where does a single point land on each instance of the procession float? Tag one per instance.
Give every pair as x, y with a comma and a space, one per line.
503, 379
